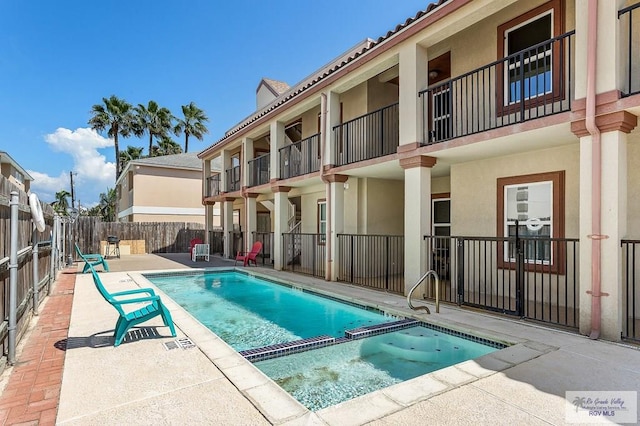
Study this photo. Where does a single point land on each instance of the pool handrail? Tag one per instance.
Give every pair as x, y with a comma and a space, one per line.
426, 274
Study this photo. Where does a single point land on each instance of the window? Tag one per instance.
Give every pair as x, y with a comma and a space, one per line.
533, 72
441, 227
441, 114
322, 221
18, 176
534, 206
236, 220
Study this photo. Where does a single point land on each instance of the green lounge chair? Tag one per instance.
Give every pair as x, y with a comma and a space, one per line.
140, 315
91, 260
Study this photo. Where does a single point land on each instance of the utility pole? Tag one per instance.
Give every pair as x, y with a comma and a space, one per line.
73, 196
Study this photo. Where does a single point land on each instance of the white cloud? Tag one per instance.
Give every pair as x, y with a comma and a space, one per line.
94, 174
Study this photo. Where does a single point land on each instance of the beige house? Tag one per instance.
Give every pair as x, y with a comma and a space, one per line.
11, 170
492, 141
161, 189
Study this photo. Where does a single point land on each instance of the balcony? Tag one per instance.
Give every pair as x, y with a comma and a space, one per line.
300, 158
259, 170
630, 48
233, 179
370, 136
533, 83
213, 185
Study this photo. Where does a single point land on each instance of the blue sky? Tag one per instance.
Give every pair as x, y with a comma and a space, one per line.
58, 58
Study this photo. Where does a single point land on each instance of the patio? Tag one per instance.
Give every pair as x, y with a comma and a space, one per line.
140, 382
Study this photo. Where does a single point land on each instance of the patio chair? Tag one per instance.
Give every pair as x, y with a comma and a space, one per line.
200, 250
251, 256
91, 260
153, 308
193, 243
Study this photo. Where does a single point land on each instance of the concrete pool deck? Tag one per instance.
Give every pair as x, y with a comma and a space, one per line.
140, 382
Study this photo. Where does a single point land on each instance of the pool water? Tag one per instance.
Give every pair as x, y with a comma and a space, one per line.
247, 312
330, 375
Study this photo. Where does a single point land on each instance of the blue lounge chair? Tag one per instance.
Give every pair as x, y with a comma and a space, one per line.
140, 315
91, 260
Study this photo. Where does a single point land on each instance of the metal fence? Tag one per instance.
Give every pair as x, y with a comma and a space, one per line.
630, 290
266, 254
300, 158
233, 179
372, 261
534, 278
630, 23
213, 185
369, 136
529, 84
259, 170
304, 253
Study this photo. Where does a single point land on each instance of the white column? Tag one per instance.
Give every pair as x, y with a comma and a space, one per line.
251, 220
247, 155
333, 119
227, 225
417, 217
335, 211
281, 210
226, 163
413, 79
613, 228
276, 134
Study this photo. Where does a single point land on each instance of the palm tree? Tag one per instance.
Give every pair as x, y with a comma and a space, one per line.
108, 205
152, 120
115, 116
132, 153
61, 204
166, 146
192, 124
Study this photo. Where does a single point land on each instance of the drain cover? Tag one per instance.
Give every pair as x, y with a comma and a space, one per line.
171, 345
185, 343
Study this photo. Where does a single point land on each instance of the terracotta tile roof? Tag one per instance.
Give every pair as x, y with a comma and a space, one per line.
324, 72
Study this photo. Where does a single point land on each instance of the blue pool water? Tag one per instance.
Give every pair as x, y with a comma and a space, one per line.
248, 312
327, 376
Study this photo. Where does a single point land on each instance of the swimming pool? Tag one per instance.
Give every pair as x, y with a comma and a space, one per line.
346, 349
248, 312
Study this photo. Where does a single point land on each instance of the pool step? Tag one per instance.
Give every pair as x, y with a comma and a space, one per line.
373, 330
275, 351
423, 349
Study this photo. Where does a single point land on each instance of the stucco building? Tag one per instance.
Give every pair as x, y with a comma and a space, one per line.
492, 141
11, 170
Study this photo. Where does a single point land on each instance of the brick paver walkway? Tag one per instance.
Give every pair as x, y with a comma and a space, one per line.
33, 390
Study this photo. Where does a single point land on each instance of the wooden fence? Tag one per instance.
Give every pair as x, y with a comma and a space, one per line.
158, 237
25, 276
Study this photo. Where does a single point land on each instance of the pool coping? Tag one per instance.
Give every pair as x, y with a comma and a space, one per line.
279, 407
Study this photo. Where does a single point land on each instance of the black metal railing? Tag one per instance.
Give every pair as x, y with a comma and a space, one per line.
233, 179
631, 43
304, 253
369, 136
533, 83
236, 239
372, 261
630, 290
216, 242
534, 278
300, 158
266, 254
213, 185
259, 170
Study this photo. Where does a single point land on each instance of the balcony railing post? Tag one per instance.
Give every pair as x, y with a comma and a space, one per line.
460, 267
386, 271
520, 294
